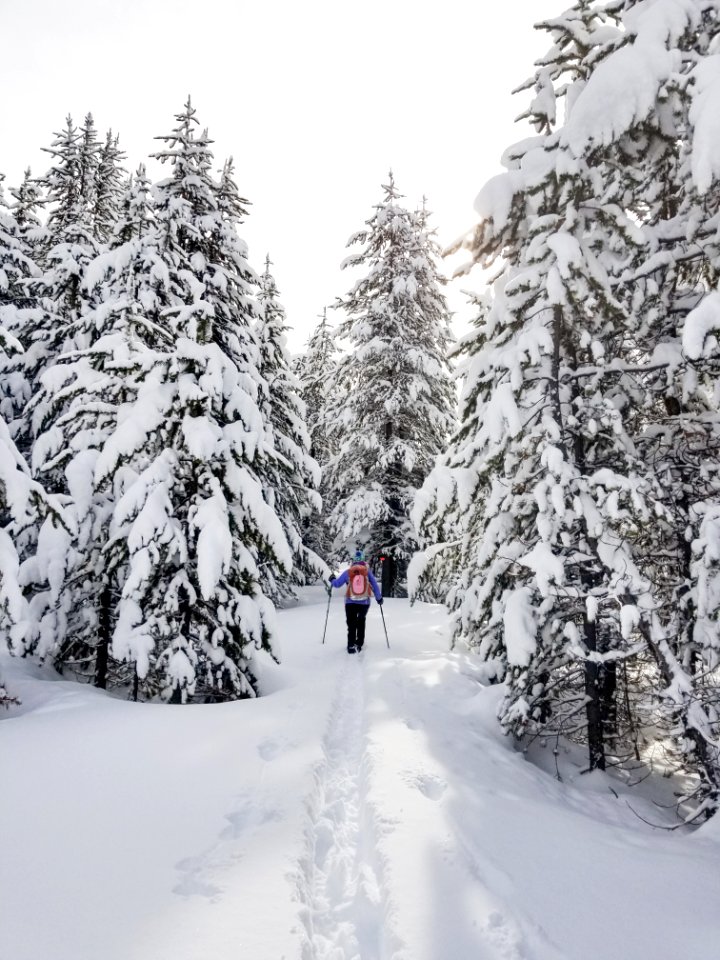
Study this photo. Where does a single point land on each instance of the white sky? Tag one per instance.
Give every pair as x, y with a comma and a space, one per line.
315, 100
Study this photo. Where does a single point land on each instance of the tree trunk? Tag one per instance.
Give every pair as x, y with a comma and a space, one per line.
608, 693
594, 708
104, 631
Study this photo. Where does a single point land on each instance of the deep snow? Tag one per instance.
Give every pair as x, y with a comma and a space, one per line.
365, 809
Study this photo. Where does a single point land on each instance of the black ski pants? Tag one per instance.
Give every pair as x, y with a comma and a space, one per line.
355, 614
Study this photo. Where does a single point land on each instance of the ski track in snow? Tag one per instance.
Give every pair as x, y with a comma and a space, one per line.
345, 901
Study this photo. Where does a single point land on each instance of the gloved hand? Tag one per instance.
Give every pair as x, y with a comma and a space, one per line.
331, 580
380, 602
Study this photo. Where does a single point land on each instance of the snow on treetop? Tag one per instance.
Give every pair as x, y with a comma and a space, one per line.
622, 91
520, 629
699, 324
705, 117
494, 201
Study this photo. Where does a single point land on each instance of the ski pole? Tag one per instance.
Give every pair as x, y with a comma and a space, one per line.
384, 627
327, 614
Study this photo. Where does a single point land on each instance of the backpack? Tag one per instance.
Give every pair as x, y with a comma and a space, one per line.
358, 584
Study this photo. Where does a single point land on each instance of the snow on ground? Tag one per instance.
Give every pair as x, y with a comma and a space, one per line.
365, 809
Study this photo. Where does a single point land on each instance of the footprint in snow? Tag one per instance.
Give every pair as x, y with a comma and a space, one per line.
502, 933
431, 786
195, 886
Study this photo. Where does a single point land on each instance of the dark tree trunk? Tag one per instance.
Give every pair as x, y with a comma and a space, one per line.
600, 679
594, 708
186, 620
608, 703
104, 632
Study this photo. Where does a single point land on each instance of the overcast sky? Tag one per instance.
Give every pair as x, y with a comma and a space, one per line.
315, 100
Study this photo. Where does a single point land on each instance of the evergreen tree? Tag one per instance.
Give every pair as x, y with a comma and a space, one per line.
46, 329
16, 267
677, 203
109, 178
315, 370
558, 478
27, 202
61, 183
292, 483
193, 523
394, 389
22, 500
75, 411
658, 165
543, 452
189, 526
232, 284
88, 163
156, 430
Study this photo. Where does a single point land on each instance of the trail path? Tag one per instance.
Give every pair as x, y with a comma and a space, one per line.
364, 809
347, 897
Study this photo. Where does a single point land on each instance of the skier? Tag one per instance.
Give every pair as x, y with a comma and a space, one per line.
360, 583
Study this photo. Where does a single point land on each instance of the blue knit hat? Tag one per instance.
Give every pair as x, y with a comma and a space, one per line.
359, 555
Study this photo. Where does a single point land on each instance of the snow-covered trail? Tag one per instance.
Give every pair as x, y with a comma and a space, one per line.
458, 905
365, 809
345, 893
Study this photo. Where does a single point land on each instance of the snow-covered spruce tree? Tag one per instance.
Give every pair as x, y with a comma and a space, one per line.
679, 205
74, 413
16, 266
440, 505
543, 481
232, 283
27, 201
135, 217
660, 166
67, 249
88, 160
49, 328
24, 507
393, 388
22, 500
640, 152
315, 369
18, 223
291, 483
110, 179
193, 522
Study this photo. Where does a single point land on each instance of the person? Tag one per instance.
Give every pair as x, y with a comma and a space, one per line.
360, 583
